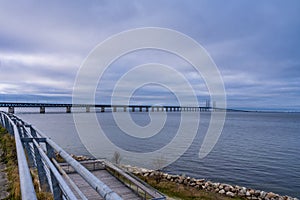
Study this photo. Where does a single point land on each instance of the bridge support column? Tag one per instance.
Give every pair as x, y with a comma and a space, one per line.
42, 109
141, 109
157, 109
125, 108
87, 109
11, 110
152, 109
102, 109
147, 109
133, 109
114, 109
68, 109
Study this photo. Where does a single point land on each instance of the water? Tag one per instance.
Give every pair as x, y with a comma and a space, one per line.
256, 150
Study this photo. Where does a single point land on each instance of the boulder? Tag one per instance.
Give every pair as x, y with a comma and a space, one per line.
248, 194
257, 193
146, 174
227, 188
230, 194
263, 194
271, 195
222, 191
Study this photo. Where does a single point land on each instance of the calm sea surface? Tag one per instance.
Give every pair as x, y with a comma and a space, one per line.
257, 150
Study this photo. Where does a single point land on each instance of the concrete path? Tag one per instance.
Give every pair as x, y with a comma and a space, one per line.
3, 180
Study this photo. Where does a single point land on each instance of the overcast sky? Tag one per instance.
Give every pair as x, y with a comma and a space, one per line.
255, 45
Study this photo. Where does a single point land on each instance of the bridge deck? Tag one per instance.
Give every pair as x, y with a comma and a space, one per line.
107, 179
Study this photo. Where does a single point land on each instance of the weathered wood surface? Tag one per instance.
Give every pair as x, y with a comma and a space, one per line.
107, 179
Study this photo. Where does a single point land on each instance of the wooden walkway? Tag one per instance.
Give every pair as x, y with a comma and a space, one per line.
112, 182
126, 185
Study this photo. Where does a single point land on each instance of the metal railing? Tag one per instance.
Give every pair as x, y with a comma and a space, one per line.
41, 152
26, 184
142, 189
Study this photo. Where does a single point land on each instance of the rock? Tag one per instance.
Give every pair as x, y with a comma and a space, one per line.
243, 189
271, 195
248, 194
143, 170
222, 191
197, 186
151, 174
208, 183
237, 187
216, 185
241, 193
200, 181
251, 192
186, 181
230, 194
4, 194
227, 188
263, 194
136, 172
257, 193
146, 174
192, 184
180, 180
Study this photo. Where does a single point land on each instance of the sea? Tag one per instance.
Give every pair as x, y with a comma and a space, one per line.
259, 150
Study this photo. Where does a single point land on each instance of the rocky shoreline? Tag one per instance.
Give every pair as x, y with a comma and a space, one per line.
202, 184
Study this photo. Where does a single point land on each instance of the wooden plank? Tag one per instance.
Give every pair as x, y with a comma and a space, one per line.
107, 179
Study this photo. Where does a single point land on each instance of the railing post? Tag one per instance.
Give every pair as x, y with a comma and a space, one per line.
44, 184
57, 193
26, 144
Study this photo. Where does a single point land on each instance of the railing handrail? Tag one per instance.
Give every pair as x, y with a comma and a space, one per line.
94, 182
26, 184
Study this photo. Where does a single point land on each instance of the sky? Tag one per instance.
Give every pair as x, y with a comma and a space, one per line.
254, 44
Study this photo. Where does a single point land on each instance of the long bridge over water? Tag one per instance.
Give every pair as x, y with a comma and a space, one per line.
104, 107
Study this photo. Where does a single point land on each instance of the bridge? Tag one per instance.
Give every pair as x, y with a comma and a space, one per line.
93, 179
104, 107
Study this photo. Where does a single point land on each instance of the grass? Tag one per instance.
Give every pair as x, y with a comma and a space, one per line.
180, 191
9, 158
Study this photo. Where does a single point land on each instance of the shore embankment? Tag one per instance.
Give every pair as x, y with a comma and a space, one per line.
233, 191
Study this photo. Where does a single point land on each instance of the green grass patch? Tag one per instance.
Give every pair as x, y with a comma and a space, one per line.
9, 158
180, 191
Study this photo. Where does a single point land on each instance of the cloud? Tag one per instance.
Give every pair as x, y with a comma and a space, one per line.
255, 46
